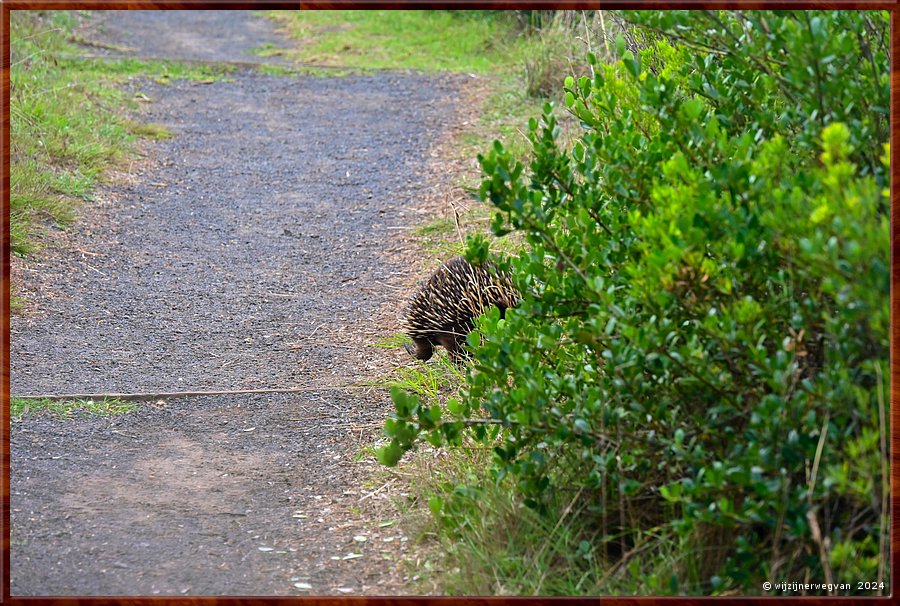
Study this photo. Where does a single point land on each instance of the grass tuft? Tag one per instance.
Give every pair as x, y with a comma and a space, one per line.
21, 407
395, 341
149, 131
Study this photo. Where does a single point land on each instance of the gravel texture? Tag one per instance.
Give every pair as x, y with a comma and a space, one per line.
194, 35
253, 249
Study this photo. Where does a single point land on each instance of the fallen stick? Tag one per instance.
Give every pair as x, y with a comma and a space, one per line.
162, 395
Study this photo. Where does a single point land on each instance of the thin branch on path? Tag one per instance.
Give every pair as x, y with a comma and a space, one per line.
162, 395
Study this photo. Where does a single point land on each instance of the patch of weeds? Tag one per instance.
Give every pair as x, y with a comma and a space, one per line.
366, 452
276, 70
20, 407
482, 540
395, 341
149, 131
504, 117
119, 69
461, 41
506, 549
16, 303
82, 41
75, 184
294, 71
37, 202
429, 379
554, 51
267, 50
438, 228
443, 248
423, 380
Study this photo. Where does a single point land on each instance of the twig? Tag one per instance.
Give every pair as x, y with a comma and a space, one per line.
625, 557
94, 43
314, 331
377, 490
814, 528
605, 36
699, 377
816, 461
549, 241
141, 396
884, 535
228, 363
459, 232
777, 541
96, 270
785, 85
816, 532
295, 67
587, 39
621, 491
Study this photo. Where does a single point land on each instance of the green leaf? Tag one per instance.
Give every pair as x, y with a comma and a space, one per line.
389, 455
620, 45
473, 339
582, 112
434, 414
631, 64
610, 326
403, 401
692, 108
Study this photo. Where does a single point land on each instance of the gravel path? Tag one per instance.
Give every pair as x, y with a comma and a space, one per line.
251, 250
187, 35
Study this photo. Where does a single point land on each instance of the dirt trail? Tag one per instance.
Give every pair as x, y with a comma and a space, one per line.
251, 250
233, 36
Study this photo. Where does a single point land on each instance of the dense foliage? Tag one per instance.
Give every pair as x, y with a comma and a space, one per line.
702, 349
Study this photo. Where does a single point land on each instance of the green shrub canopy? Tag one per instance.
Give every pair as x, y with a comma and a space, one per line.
703, 341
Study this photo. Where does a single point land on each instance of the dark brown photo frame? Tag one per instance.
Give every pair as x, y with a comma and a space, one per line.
10, 5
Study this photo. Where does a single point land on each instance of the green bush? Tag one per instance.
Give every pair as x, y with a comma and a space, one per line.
703, 342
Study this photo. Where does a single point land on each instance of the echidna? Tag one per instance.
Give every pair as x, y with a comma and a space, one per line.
443, 310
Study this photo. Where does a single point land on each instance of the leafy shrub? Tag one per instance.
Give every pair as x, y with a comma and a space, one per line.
703, 342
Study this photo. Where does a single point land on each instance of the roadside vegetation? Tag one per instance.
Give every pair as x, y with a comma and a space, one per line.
692, 397
456, 41
21, 407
